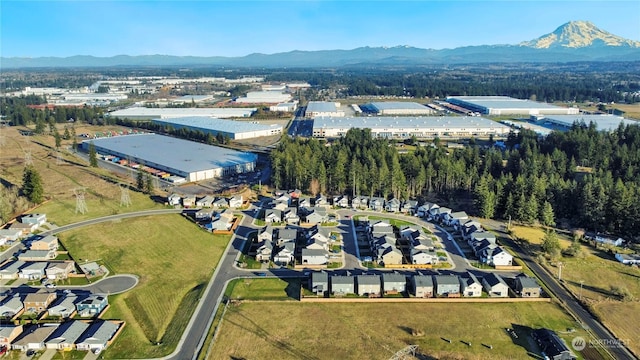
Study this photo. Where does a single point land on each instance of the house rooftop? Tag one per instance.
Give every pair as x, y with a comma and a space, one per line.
393, 277
68, 332
341, 279
423, 280
368, 279
527, 282
99, 332
494, 279
446, 279
319, 276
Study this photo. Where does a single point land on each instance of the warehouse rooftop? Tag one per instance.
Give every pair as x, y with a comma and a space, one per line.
183, 155
230, 126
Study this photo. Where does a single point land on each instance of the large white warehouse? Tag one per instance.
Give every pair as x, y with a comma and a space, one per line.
264, 97
236, 130
504, 105
323, 108
399, 108
406, 127
602, 122
142, 113
188, 159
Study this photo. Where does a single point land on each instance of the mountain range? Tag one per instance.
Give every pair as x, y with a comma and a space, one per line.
571, 42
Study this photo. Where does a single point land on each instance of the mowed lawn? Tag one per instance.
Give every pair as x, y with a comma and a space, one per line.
294, 330
173, 258
598, 270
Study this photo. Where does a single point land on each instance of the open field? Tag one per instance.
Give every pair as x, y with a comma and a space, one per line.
598, 271
264, 289
173, 258
292, 330
102, 191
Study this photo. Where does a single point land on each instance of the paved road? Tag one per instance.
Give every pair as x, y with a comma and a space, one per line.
599, 332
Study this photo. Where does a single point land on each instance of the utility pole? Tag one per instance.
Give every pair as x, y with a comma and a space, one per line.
581, 283
559, 271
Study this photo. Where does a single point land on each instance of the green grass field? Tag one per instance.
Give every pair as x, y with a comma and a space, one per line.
597, 271
292, 330
264, 289
173, 258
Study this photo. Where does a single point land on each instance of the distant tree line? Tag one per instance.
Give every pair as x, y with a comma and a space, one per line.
17, 112
588, 178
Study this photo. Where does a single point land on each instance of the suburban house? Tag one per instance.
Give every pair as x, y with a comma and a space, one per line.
189, 201
422, 286
447, 285
220, 203
552, 345
627, 259
286, 235
33, 270
204, 214
272, 215
66, 335
97, 336
92, 305
290, 216
304, 202
441, 213
235, 202
266, 233
221, 221
341, 201
10, 235
285, 254
314, 256
37, 219
369, 285
318, 242
319, 283
8, 333
10, 270
25, 229
206, 201
59, 270
317, 216
342, 285
48, 242
392, 205
380, 227
495, 286
320, 200
526, 286
455, 218
423, 257
470, 227
359, 202
174, 199
264, 251
427, 210
295, 194
33, 337
37, 255
390, 255
409, 206
64, 307
608, 241
497, 256
38, 302
376, 204
11, 306
394, 283
470, 286
481, 235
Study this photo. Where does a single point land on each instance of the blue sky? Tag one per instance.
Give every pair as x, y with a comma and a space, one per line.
237, 28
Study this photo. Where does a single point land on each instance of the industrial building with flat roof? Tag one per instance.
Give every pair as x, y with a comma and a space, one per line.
406, 127
142, 113
602, 122
190, 160
399, 108
323, 108
264, 97
236, 130
504, 105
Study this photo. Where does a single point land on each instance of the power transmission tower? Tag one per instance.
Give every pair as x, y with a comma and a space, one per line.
125, 200
28, 160
81, 205
407, 353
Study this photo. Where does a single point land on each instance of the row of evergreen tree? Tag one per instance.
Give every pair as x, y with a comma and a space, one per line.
583, 176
